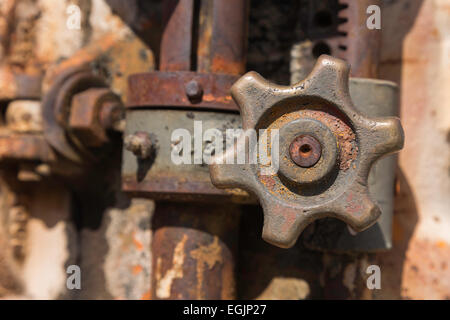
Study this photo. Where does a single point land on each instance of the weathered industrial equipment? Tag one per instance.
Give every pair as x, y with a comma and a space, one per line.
326, 149
77, 112
373, 98
72, 125
339, 28
194, 79
203, 52
62, 120
56, 128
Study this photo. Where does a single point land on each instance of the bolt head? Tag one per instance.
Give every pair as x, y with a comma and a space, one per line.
194, 91
305, 151
84, 119
112, 115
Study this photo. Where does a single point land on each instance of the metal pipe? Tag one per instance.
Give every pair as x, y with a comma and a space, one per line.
176, 42
194, 244
194, 248
362, 43
223, 36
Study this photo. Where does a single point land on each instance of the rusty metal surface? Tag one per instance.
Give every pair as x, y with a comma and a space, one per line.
312, 124
87, 121
168, 89
122, 243
168, 187
143, 17
362, 45
19, 85
194, 251
269, 272
338, 28
176, 42
159, 177
415, 54
84, 70
21, 70
33, 33
216, 45
56, 110
111, 56
72, 118
221, 53
222, 44
192, 246
288, 209
305, 151
112, 114
25, 147
63, 81
36, 221
374, 98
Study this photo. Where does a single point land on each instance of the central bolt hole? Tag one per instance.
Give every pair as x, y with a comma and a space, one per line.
306, 148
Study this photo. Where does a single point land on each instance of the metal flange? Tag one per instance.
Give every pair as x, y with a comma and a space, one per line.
333, 183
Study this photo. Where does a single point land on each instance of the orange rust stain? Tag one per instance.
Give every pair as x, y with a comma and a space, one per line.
268, 181
164, 283
137, 269
7, 83
398, 233
397, 187
221, 64
87, 54
213, 98
441, 244
206, 256
137, 243
425, 272
146, 296
346, 138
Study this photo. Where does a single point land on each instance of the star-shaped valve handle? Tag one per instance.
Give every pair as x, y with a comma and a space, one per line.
313, 151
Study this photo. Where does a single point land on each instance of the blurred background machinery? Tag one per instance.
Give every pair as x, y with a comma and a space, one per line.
76, 148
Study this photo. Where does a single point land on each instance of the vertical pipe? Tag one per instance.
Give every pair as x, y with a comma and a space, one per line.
194, 248
194, 244
176, 42
363, 44
223, 36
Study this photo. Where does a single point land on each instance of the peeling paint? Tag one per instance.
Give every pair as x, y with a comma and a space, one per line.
164, 284
350, 276
209, 256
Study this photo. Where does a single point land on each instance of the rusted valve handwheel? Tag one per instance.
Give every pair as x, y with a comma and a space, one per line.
326, 149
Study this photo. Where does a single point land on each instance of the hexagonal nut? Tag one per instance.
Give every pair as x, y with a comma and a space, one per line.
85, 120
112, 116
